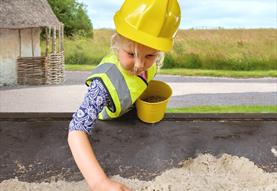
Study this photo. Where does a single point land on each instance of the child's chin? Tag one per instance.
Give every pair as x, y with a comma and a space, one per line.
132, 73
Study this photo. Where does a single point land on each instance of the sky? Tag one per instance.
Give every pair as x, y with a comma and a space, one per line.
199, 13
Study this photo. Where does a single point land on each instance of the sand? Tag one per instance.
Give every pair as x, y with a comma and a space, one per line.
204, 173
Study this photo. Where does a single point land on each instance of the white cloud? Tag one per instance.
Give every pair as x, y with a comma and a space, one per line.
198, 13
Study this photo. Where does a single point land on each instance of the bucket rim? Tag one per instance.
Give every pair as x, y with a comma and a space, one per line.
154, 103
159, 102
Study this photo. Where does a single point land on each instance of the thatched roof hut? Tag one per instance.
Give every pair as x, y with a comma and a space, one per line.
15, 14
21, 22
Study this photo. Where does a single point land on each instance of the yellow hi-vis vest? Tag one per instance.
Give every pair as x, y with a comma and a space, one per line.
123, 87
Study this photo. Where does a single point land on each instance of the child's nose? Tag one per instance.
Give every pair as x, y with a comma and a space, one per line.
139, 63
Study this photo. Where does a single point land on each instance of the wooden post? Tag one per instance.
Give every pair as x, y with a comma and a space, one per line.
19, 35
59, 45
62, 44
54, 40
48, 31
32, 39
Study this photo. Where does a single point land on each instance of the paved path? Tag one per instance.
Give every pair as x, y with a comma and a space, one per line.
187, 91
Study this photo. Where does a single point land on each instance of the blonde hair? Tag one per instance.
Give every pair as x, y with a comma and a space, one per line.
118, 41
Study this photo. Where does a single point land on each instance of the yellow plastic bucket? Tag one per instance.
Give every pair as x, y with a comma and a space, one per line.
152, 104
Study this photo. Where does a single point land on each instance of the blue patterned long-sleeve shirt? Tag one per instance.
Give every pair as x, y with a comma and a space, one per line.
96, 99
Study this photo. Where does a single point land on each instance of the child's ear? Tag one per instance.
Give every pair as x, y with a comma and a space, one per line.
160, 59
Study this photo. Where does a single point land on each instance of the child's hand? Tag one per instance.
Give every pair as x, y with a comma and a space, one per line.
109, 185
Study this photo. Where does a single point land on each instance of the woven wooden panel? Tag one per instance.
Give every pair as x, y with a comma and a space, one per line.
55, 68
41, 70
31, 71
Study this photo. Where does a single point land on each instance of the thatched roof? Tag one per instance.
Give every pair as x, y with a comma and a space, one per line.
16, 14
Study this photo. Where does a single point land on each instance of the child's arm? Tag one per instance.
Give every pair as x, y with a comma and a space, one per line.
88, 164
85, 158
80, 126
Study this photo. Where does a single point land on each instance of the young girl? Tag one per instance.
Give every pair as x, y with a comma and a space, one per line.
145, 29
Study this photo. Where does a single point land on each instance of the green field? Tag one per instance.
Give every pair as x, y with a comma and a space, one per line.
226, 109
237, 50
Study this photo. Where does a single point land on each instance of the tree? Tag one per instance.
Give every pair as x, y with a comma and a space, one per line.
74, 17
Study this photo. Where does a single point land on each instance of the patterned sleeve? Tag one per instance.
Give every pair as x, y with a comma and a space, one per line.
85, 117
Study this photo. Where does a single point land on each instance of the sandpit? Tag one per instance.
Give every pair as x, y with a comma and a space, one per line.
206, 172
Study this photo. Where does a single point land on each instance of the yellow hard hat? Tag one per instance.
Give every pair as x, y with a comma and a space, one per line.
152, 23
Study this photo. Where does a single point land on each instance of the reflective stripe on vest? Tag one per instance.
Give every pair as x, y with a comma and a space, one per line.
118, 83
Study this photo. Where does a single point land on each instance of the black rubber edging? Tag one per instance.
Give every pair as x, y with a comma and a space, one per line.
168, 116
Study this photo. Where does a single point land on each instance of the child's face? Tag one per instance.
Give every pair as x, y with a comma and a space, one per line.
136, 64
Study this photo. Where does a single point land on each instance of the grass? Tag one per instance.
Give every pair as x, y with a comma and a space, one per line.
236, 50
74, 67
194, 72
226, 109
220, 73
221, 49
221, 52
